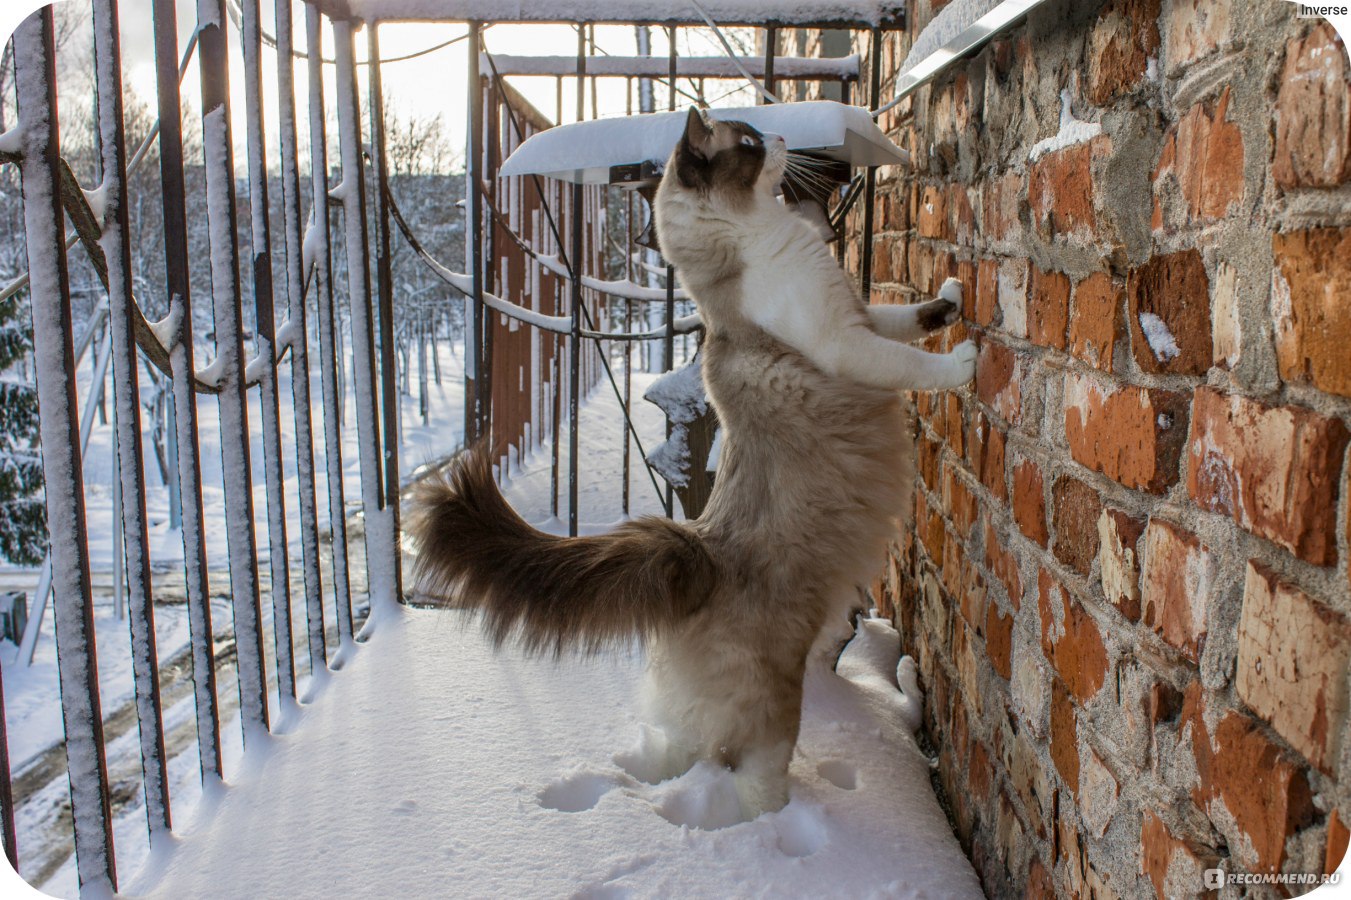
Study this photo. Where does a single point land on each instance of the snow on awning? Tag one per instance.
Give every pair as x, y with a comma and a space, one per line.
585, 152
839, 68
800, 13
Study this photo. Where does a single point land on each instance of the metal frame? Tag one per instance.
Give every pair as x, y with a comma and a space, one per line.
49, 197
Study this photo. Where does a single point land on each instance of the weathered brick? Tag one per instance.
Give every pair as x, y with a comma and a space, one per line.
928, 462
1246, 779
1274, 470
978, 774
1064, 737
1310, 284
954, 425
1204, 153
1119, 561
998, 380
882, 257
959, 502
1120, 46
1097, 322
1338, 837
985, 445
1132, 435
1070, 638
1195, 28
1176, 586
1293, 655
1176, 867
1001, 198
1313, 112
963, 216
1226, 326
1003, 565
1098, 792
1170, 314
1060, 189
933, 214
987, 292
1048, 308
1012, 296
1029, 501
999, 640
1075, 509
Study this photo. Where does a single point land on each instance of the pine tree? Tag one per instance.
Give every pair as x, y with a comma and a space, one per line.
23, 516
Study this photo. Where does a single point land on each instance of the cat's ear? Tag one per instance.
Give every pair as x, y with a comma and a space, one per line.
698, 133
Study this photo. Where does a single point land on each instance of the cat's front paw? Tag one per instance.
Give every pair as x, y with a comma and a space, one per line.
945, 309
963, 358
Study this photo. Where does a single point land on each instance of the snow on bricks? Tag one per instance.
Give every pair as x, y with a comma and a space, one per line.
1170, 315
1275, 470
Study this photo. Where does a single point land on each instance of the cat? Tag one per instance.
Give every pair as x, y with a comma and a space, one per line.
806, 382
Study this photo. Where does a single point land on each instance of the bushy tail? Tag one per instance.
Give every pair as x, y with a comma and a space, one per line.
550, 592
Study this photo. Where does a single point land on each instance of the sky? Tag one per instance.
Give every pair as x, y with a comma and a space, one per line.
425, 87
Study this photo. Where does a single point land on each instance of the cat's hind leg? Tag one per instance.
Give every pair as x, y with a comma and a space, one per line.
761, 778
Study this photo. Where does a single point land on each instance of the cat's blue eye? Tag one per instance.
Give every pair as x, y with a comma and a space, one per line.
748, 140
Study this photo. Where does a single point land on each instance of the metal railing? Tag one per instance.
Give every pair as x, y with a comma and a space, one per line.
550, 234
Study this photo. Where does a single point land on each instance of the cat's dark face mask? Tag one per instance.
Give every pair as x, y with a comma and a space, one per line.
727, 160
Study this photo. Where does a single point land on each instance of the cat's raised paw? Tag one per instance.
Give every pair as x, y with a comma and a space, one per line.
951, 291
938, 313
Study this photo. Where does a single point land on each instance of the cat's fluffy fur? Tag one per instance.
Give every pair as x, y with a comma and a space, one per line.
805, 379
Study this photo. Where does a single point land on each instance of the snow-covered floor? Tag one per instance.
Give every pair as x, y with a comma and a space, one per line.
433, 766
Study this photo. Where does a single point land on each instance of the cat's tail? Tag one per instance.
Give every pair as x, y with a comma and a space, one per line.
549, 592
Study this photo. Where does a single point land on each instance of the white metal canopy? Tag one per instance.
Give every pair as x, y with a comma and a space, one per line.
584, 152
800, 13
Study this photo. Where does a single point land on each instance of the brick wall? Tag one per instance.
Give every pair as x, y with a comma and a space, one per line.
1128, 585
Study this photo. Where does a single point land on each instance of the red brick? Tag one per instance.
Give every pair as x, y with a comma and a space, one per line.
1039, 884
954, 431
1176, 587
1313, 112
1064, 737
1119, 560
920, 265
1076, 508
999, 208
928, 459
1293, 655
987, 292
963, 216
999, 641
882, 272
1264, 790
1176, 867
1170, 301
1204, 153
1132, 435
1060, 189
1003, 565
933, 214
1120, 46
978, 773
1070, 638
1048, 308
1029, 501
1338, 837
1274, 470
1309, 301
985, 445
998, 380
1097, 323
1195, 29
959, 502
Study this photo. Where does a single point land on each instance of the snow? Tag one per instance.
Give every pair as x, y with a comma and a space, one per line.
1072, 131
432, 766
781, 12
842, 67
1160, 339
951, 21
585, 151
680, 394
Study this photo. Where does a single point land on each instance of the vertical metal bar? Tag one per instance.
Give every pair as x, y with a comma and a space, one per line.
474, 405
6, 789
265, 325
870, 179
177, 289
578, 268
222, 228
385, 291
299, 333
329, 334
353, 195
771, 50
628, 319
134, 551
54, 357
668, 344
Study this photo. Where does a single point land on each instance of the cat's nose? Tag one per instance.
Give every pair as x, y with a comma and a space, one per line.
769, 137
